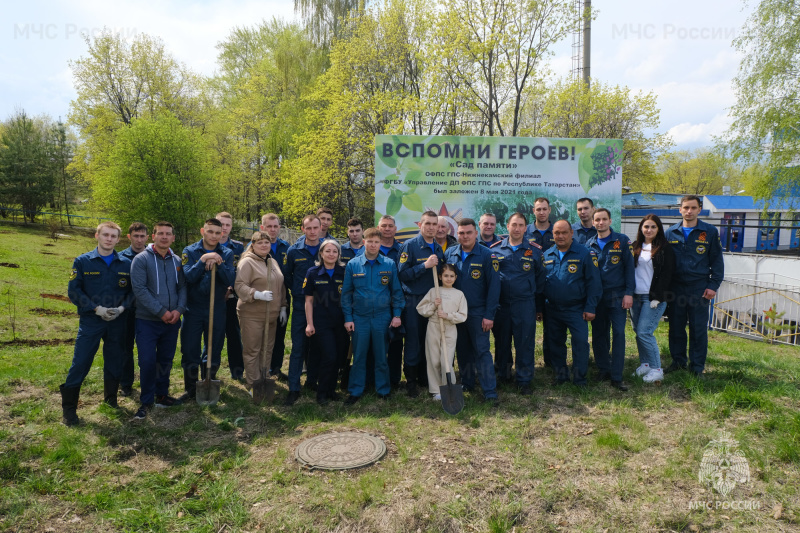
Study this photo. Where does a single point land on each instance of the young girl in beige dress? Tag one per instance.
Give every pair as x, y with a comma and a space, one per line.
452, 310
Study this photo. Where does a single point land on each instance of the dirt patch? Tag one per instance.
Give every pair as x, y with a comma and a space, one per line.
9, 265
38, 342
48, 245
54, 297
52, 312
47, 253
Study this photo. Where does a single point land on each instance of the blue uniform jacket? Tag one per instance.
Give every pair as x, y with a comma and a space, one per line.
394, 252
581, 234
129, 254
302, 239
237, 248
573, 281
489, 244
92, 283
198, 279
371, 290
699, 258
477, 279
521, 272
545, 241
327, 293
348, 252
615, 261
415, 277
296, 262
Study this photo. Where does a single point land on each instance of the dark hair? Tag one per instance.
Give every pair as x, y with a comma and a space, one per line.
467, 222
372, 233
309, 217
214, 222
542, 199
137, 226
602, 210
690, 197
448, 266
162, 224
355, 222
659, 241
324, 210
517, 214
591, 203
429, 213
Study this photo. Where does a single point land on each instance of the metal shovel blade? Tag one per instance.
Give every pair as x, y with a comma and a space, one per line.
208, 391
263, 390
452, 397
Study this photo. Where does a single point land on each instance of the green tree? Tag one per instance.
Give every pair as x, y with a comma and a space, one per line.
158, 169
62, 150
766, 126
326, 19
26, 177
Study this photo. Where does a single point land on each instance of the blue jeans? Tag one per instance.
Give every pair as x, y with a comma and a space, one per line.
474, 356
609, 316
559, 320
156, 342
645, 321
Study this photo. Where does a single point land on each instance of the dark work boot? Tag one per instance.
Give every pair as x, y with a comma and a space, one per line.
110, 388
189, 384
69, 405
411, 382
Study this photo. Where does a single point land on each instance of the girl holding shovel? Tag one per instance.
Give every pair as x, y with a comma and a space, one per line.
451, 309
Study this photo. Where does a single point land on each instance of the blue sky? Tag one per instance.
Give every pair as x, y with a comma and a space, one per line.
681, 50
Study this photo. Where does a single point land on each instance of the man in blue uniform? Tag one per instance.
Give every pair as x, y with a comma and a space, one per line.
325, 216
271, 225
233, 333
390, 247
417, 256
487, 225
137, 235
698, 275
572, 291
521, 280
372, 300
197, 260
541, 232
617, 274
99, 285
299, 258
584, 229
479, 281
355, 240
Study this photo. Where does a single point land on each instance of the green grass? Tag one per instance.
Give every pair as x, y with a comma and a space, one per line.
562, 460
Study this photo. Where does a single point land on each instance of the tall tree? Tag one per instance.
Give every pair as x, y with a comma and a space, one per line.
326, 19
26, 177
766, 124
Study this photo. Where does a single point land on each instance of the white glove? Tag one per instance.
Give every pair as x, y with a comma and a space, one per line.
654, 304
101, 311
283, 317
263, 295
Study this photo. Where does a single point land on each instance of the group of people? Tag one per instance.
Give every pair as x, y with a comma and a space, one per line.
367, 311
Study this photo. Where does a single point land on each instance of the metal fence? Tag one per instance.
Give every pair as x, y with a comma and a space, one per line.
758, 306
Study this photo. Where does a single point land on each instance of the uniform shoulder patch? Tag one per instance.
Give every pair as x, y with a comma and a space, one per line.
73, 274
184, 258
305, 280
534, 243
495, 244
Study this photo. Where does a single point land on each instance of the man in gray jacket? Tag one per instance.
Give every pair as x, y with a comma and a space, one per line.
160, 289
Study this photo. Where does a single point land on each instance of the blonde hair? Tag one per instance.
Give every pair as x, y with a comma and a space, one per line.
322, 246
109, 224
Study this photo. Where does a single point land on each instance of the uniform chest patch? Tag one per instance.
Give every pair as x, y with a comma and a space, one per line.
703, 237
385, 280
476, 274
528, 253
572, 268
495, 264
403, 257
614, 259
701, 249
526, 266
123, 282
616, 245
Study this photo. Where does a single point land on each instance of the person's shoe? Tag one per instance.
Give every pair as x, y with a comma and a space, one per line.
167, 401
291, 398
619, 385
351, 399
283, 378
699, 375
384, 397
655, 375
673, 367
69, 405
110, 389
437, 397
126, 391
492, 402
411, 382
643, 369
467, 389
526, 389
141, 414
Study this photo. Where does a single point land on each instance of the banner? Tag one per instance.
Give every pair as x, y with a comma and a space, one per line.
464, 177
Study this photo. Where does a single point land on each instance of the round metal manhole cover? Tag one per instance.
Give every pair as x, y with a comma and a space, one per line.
340, 451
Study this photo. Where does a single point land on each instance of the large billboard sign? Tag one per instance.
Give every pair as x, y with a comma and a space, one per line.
464, 177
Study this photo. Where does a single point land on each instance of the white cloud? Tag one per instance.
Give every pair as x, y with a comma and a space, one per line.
689, 133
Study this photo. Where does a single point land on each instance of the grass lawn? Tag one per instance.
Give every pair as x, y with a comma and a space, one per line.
563, 459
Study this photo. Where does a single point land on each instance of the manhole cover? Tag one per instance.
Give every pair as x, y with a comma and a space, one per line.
340, 451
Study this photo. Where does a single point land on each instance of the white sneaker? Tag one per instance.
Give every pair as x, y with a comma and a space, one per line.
437, 397
643, 369
656, 375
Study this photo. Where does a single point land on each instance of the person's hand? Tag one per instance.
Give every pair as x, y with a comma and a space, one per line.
395, 322
166, 318
487, 324
438, 302
101, 311
588, 317
229, 293
283, 317
432, 261
265, 296
210, 259
708, 294
351, 327
654, 304
627, 302
310, 330
441, 314
176, 316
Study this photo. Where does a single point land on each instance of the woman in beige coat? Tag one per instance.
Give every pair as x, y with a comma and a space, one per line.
262, 303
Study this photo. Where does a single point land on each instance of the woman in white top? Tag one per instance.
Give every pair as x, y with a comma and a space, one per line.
655, 263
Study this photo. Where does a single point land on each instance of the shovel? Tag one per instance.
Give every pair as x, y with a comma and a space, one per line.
452, 394
208, 389
264, 387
